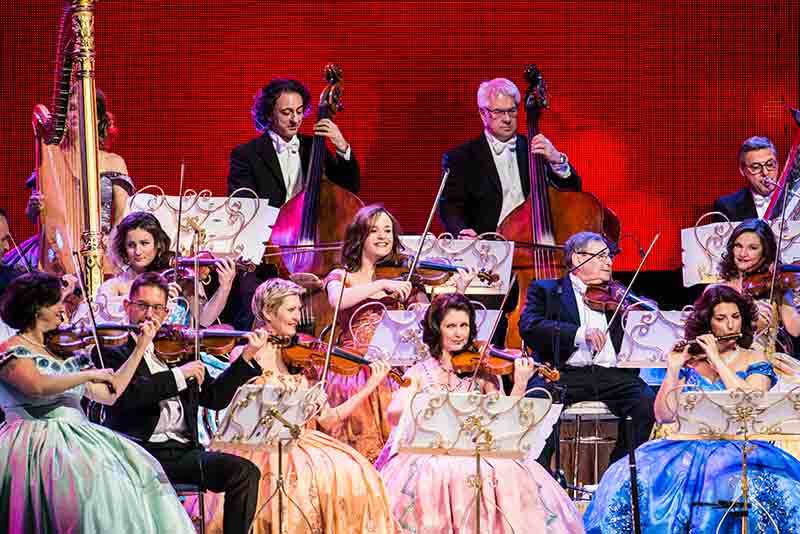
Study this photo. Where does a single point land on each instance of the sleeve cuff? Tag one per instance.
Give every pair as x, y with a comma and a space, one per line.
180, 380
346, 154
562, 170
580, 336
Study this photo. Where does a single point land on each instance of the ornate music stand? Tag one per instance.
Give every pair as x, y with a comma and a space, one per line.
273, 417
737, 416
480, 426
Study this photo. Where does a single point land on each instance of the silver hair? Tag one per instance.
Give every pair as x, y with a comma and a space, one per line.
577, 243
498, 86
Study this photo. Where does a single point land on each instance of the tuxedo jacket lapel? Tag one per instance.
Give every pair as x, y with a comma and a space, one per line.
487, 162
267, 153
569, 302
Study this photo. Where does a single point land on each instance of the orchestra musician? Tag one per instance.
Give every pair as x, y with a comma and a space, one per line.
555, 312
159, 410
275, 164
489, 175
684, 485
140, 245
432, 492
758, 164
333, 487
748, 259
116, 185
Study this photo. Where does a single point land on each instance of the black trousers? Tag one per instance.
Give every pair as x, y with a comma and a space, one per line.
621, 390
237, 477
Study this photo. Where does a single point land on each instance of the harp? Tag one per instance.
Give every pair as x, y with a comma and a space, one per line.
67, 172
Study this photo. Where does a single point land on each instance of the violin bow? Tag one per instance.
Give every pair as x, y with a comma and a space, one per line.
427, 226
22, 258
773, 336
630, 285
334, 321
497, 319
92, 319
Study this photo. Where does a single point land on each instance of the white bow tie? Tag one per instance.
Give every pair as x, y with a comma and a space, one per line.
499, 146
760, 201
292, 146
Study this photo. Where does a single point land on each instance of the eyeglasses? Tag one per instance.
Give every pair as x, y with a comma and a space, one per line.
758, 168
495, 113
143, 307
603, 256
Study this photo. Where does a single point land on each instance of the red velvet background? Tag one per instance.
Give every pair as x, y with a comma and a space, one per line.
650, 99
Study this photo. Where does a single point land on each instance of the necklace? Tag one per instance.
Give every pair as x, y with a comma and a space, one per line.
460, 384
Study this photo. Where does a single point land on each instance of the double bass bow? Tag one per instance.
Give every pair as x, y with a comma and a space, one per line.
548, 217
315, 217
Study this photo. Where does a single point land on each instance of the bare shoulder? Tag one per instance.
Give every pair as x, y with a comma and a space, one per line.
112, 162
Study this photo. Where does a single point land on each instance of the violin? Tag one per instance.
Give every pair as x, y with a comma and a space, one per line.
696, 350
606, 297
426, 272
758, 285
307, 351
69, 339
173, 344
498, 362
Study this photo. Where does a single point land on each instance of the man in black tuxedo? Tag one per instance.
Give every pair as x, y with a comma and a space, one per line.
758, 163
556, 317
274, 165
489, 176
159, 409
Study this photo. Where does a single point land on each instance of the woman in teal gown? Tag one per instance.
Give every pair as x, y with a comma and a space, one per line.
687, 486
59, 472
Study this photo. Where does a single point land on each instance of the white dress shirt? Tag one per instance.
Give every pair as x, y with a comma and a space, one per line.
761, 202
589, 319
171, 421
504, 154
289, 159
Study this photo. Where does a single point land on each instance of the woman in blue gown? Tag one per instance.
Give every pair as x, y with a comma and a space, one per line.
683, 485
59, 472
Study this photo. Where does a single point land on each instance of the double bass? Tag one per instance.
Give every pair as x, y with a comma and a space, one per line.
313, 219
548, 217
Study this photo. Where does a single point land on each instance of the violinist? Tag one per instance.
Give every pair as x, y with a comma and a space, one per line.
373, 238
423, 488
274, 165
747, 266
159, 410
688, 478
140, 245
489, 175
556, 314
75, 473
758, 164
333, 486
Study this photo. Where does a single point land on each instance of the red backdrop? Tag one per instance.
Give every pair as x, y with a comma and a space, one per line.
650, 103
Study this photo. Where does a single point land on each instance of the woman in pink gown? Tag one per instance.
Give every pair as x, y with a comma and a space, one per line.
432, 494
335, 489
